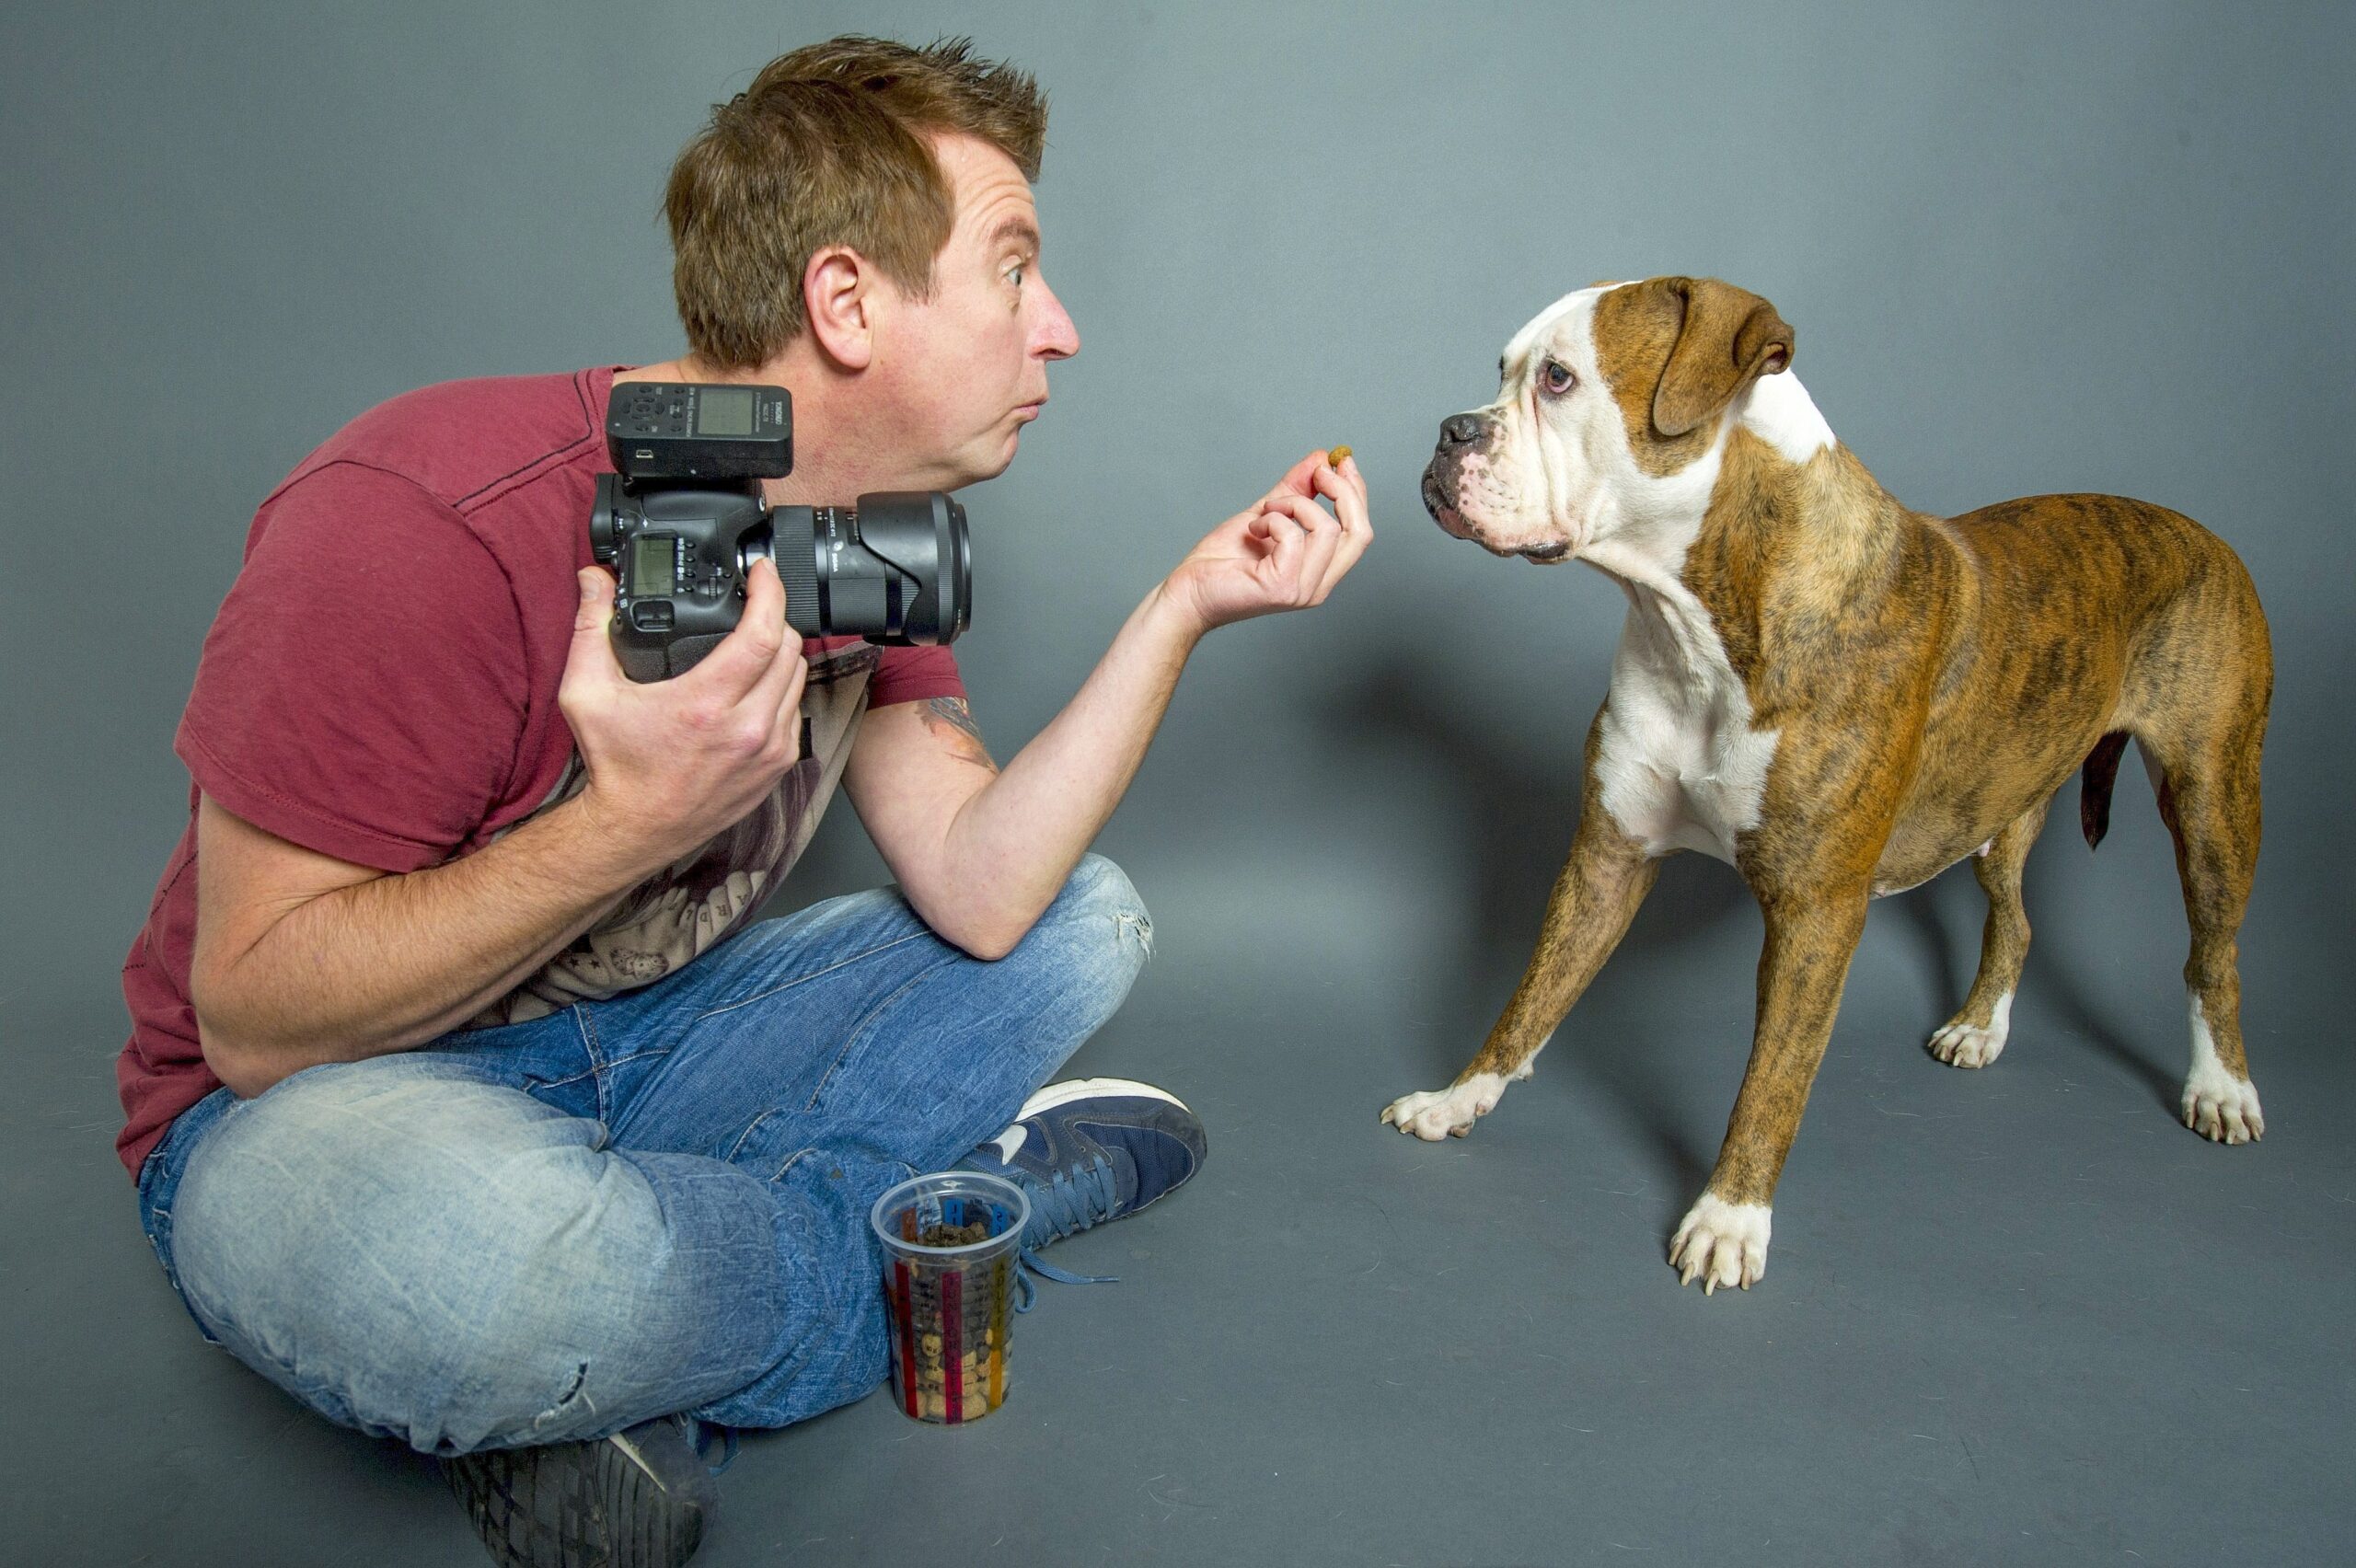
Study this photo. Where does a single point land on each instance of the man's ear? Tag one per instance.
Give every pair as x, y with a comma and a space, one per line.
838, 302
1729, 337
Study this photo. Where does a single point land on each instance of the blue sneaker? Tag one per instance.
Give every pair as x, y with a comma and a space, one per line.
1087, 1150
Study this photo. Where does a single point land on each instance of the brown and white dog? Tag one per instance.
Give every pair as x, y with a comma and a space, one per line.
1840, 697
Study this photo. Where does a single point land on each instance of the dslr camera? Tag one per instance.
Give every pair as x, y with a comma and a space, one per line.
681, 522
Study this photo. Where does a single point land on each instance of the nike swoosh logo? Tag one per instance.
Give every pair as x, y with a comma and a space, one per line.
1009, 1143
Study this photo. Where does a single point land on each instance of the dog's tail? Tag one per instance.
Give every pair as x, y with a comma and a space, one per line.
2094, 789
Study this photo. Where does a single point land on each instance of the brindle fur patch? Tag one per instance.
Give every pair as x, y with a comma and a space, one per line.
1934, 682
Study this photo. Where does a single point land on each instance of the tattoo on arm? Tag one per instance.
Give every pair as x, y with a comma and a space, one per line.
950, 719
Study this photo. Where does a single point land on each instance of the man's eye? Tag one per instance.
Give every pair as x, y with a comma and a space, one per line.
1557, 378
1016, 273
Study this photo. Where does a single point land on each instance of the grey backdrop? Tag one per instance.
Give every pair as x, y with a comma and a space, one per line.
2012, 1316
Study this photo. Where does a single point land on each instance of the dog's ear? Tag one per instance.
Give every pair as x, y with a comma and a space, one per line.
1729, 337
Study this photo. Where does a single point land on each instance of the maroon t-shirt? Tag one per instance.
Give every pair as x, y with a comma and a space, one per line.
380, 685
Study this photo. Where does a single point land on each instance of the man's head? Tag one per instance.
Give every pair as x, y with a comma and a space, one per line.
859, 223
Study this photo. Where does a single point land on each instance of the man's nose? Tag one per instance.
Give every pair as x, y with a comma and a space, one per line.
1057, 338
1459, 430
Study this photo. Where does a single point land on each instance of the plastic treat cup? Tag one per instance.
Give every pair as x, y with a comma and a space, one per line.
950, 1300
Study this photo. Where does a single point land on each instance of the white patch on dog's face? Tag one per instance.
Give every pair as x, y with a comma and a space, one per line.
1551, 477
1525, 488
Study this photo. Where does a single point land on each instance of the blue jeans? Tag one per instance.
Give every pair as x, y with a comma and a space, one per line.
551, 1230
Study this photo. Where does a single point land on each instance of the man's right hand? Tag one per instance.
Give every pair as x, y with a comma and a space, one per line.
672, 763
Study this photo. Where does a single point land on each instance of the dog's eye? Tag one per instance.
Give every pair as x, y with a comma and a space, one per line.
1557, 378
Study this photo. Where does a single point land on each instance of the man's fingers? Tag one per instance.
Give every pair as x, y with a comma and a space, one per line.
779, 687
1292, 543
1314, 520
789, 702
1346, 486
1297, 481
1357, 527
1325, 538
592, 656
748, 654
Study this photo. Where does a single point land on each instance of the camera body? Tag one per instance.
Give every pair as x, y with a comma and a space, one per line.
682, 520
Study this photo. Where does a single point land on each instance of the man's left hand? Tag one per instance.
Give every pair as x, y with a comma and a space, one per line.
1283, 552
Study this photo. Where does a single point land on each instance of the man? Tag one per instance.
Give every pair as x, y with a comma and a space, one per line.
466, 1101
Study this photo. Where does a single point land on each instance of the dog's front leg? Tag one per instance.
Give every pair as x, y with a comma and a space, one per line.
1810, 938
1594, 897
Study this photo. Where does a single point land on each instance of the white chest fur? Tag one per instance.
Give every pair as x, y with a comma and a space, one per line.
1680, 764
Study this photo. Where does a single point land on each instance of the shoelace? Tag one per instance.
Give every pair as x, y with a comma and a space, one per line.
702, 1434
1074, 1199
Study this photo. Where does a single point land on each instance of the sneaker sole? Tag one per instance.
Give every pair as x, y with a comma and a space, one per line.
575, 1505
1056, 1094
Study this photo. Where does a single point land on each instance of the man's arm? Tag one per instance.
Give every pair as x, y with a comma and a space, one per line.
301, 958
981, 853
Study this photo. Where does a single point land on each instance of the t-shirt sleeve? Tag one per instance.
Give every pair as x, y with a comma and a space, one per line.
363, 690
911, 674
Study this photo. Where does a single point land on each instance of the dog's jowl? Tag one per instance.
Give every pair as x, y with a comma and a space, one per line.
1841, 698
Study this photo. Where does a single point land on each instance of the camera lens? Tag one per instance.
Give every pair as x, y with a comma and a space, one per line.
895, 569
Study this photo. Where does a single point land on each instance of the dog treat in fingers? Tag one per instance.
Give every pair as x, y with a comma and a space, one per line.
1333, 458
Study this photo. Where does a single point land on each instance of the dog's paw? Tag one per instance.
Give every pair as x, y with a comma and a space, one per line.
1963, 1044
1721, 1243
2221, 1107
1446, 1113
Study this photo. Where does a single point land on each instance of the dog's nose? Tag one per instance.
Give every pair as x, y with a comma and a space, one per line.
1459, 430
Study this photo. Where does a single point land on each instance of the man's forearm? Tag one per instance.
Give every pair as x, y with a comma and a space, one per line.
390, 964
1018, 838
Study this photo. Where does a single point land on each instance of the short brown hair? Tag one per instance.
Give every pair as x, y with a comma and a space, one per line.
826, 147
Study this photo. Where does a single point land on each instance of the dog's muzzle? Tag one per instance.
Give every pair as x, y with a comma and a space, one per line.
1440, 495
1458, 434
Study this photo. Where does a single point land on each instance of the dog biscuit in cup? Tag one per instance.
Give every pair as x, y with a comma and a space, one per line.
951, 1284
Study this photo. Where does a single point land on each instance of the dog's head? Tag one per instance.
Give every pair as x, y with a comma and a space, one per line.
1606, 404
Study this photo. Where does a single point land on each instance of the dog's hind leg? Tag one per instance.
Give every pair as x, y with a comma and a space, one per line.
2208, 791
1595, 895
2201, 750
1975, 1036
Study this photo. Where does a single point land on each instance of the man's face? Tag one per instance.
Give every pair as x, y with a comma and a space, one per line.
965, 370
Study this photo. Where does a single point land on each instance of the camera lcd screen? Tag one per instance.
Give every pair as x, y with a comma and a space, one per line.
724, 411
651, 574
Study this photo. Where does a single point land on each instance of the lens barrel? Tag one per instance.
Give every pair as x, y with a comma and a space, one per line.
897, 568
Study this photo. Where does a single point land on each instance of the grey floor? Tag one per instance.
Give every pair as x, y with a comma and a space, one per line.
2016, 1316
